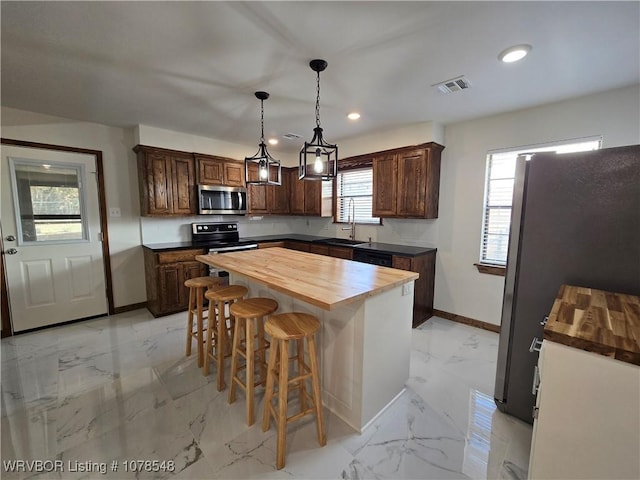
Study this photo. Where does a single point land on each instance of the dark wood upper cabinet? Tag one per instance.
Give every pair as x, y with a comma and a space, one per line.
167, 182
306, 197
296, 192
278, 197
385, 185
292, 197
406, 182
213, 170
234, 173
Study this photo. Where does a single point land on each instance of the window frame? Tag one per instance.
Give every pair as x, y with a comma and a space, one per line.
80, 171
498, 268
354, 163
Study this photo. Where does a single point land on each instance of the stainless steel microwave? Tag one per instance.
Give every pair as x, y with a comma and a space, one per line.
221, 200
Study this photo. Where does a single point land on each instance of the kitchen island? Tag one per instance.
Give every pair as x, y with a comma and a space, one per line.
365, 311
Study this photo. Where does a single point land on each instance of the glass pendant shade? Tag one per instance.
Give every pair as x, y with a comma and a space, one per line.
262, 168
318, 158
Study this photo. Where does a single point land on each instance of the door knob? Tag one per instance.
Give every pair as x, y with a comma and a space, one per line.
10, 238
11, 251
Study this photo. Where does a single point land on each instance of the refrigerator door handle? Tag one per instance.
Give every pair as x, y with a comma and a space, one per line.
536, 345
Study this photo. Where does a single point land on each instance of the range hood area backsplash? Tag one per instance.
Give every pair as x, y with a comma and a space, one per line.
421, 233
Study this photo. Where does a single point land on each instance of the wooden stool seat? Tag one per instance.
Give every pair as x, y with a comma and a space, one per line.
282, 329
196, 287
202, 282
219, 333
250, 310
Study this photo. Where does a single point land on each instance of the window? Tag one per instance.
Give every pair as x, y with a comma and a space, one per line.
356, 185
501, 166
49, 201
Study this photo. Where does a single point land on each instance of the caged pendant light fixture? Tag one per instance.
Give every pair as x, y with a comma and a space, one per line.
267, 170
318, 159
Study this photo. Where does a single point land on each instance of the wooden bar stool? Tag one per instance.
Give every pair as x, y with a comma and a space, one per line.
282, 329
196, 287
246, 313
219, 334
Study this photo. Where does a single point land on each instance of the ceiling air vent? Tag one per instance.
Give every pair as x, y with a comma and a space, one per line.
291, 136
454, 85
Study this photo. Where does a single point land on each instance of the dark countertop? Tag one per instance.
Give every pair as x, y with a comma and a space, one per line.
389, 248
393, 249
285, 236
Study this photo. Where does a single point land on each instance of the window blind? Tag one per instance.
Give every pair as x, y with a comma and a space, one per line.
500, 179
356, 185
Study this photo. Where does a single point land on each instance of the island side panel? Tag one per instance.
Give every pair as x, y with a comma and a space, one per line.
339, 347
364, 349
387, 349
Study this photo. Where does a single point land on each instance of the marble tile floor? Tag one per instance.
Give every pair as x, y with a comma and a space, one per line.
119, 388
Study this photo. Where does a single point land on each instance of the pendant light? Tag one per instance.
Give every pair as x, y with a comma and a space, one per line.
268, 171
318, 159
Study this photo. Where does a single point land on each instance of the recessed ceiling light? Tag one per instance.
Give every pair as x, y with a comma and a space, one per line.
273, 141
353, 116
513, 54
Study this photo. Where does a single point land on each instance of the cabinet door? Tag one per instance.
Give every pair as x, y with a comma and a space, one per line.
278, 198
171, 281
385, 181
412, 183
234, 173
157, 194
296, 193
312, 197
210, 170
257, 194
184, 186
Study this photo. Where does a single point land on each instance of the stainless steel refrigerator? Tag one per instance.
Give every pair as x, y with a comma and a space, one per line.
575, 220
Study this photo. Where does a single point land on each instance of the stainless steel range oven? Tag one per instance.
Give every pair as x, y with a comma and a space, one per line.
219, 238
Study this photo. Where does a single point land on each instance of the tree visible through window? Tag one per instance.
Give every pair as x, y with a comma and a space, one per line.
500, 177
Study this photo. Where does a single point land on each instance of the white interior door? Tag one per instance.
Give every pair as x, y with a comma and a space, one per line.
52, 241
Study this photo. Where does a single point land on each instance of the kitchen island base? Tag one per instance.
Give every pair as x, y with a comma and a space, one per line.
364, 348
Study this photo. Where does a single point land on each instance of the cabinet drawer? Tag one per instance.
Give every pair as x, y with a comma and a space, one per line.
341, 252
178, 256
319, 249
270, 244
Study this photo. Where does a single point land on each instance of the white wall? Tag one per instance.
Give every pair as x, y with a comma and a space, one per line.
127, 266
460, 288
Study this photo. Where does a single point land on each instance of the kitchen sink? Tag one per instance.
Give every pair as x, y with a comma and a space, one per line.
339, 241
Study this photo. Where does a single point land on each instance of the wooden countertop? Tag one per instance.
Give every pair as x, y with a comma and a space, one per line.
323, 281
596, 321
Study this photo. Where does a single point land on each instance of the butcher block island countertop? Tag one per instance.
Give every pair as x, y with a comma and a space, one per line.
325, 282
601, 322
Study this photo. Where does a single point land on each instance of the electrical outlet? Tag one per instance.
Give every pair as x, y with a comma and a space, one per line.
114, 212
407, 288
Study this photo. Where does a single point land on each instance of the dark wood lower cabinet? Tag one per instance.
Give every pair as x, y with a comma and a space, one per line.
165, 274
425, 265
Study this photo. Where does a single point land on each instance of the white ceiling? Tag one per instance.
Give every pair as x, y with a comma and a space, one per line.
194, 66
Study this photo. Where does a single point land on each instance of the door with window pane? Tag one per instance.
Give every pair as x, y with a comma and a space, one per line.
52, 245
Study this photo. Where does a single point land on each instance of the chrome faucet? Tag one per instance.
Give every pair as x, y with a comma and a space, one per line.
351, 219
